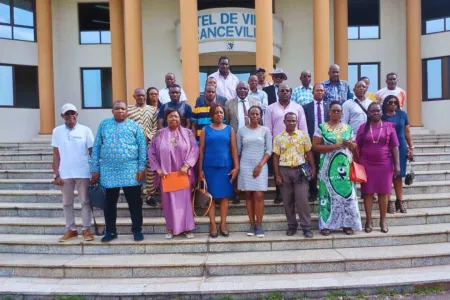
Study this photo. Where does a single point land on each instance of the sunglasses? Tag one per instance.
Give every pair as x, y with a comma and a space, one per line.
70, 113
336, 111
392, 102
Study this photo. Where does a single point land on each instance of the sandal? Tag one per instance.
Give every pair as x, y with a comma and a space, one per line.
325, 232
391, 208
400, 206
368, 227
348, 230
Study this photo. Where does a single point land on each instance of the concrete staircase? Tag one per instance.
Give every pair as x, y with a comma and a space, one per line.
415, 252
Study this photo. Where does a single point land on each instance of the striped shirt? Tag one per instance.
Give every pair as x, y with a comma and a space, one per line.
200, 115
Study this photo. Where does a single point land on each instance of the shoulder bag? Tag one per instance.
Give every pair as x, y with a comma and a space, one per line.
362, 107
201, 199
357, 171
97, 199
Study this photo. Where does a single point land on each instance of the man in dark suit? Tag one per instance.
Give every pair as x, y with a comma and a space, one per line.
278, 76
316, 113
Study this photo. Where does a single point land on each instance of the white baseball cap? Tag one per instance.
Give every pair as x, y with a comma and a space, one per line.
68, 106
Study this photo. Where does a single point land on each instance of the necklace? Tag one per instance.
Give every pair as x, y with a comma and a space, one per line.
379, 134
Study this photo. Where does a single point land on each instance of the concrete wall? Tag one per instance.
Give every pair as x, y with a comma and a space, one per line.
26, 120
435, 113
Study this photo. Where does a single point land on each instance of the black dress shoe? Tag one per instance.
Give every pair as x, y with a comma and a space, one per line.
313, 197
278, 199
224, 234
308, 233
291, 231
152, 202
214, 235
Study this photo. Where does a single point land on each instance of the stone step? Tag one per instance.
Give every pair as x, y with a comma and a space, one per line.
419, 187
47, 165
236, 223
224, 264
287, 286
436, 175
237, 242
48, 204
427, 157
26, 156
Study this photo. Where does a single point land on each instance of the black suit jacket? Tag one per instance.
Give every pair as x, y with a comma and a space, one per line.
272, 96
309, 114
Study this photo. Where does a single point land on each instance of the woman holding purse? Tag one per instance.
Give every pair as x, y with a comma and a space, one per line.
219, 165
338, 203
174, 149
378, 147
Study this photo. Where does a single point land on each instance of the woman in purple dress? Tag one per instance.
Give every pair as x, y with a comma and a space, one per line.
174, 149
378, 147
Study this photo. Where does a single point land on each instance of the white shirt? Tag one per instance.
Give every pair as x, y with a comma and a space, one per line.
241, 113
73, 145
276, 91
226, 87
354, 115
316, 119
164, 95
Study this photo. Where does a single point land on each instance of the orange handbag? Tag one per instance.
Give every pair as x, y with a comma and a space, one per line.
357, 171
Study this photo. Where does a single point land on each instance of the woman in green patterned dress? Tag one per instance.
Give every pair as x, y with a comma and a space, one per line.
338, 205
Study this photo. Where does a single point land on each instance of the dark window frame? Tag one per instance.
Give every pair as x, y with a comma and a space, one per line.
359, 64
12, 25
359, 26
97, 31
424, 25
101, 88
445, 92
14, 105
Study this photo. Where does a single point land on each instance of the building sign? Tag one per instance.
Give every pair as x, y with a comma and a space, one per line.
228, 25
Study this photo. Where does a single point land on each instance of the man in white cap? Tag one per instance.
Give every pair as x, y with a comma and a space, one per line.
72, 146
278, 77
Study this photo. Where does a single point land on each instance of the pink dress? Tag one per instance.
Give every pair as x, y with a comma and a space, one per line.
377, 158
168, 151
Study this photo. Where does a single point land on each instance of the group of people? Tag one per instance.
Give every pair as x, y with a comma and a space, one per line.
236, 136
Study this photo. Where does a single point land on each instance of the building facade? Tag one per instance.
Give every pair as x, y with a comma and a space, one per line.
91, 52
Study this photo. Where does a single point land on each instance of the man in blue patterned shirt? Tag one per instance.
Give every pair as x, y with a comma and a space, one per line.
119, 157
336, 89
303, 94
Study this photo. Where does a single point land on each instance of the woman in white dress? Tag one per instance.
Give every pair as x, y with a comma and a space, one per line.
254, 144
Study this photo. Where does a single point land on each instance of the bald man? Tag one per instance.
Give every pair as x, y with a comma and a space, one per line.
164, 92
146, 116
303, 94
336, 89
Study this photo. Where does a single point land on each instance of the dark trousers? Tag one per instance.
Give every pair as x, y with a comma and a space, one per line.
133, 196
294, 192
313, 188
271, 173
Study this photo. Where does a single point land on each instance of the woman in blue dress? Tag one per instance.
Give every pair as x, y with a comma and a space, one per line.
393, 113
219, 165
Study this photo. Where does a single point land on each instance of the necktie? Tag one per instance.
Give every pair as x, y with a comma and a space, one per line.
247, 120
319, 114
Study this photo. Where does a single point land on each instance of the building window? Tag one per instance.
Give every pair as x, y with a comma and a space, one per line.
363, 19
435, 16
370, 70
96, 87
17, 19
209, 4
19, 86
93, 19
436, 78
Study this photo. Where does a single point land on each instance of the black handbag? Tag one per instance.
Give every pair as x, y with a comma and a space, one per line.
97, 199
409, 178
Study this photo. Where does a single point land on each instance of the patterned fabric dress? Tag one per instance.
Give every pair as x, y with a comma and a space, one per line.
338, 204
119, 152
147, 118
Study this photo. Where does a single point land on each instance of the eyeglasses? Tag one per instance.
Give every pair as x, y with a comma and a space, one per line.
392, 102
70, 113
336, 111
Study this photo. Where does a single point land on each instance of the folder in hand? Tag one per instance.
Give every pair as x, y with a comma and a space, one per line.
175, 181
